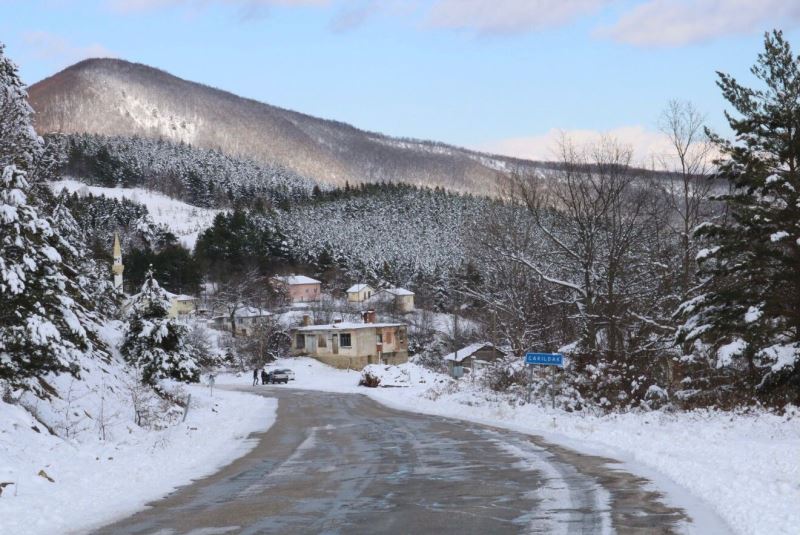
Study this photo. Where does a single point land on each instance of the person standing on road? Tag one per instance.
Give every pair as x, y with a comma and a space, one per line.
255, 376
263, 377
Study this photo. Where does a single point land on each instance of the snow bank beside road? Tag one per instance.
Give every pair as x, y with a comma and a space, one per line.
95, 482
746, 468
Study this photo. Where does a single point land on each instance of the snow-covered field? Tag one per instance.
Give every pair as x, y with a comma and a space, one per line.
184, 220
744, 469
97, 481
99, 465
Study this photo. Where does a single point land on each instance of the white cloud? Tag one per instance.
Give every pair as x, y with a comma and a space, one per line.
649, 147
681, 22
509, 16
51, 47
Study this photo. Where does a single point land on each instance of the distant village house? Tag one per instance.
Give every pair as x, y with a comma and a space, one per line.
399, 299
473, 357
358, 293
181, 305
299, 288
349, 345
245, 320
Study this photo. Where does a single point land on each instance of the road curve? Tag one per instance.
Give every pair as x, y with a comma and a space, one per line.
342, 463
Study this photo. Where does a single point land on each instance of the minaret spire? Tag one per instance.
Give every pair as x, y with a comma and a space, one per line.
117, 268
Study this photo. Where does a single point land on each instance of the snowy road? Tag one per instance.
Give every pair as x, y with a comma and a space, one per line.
339, 463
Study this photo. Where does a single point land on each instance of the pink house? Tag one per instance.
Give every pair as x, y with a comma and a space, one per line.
299, 288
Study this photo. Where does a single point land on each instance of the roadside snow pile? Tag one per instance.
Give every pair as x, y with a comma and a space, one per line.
97, 464
183, 220
745, 468
405, 375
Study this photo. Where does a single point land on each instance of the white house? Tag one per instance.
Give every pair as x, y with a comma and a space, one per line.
401, 299
358, 293
245, 319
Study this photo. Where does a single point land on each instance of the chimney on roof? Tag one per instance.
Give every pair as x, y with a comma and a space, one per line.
306, 320
369, 316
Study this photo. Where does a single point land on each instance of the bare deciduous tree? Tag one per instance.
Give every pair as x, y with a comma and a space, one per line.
686, 193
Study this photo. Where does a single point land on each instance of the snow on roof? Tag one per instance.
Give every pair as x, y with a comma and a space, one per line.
247, 312
357, 288
467, 351
251, 312
179, 297
297, 279
399, 291
348, 326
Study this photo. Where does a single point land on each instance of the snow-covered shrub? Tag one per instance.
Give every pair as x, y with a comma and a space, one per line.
369, 380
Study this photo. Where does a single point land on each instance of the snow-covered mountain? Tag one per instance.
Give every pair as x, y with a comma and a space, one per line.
115, 97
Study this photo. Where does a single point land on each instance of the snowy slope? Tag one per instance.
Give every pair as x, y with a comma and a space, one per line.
102, 465
741, 468
184, 220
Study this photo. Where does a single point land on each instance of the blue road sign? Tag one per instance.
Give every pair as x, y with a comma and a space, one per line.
545, 359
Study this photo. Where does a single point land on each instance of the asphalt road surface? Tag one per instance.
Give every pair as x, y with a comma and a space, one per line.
337, 463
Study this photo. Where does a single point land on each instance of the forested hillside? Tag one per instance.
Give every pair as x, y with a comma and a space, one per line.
143, 101
200, 177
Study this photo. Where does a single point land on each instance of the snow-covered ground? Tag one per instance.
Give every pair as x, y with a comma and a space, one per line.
184, 220
744, 469
98, 464
97, 481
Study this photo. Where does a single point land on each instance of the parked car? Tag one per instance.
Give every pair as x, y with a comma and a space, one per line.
288, 372
278, 376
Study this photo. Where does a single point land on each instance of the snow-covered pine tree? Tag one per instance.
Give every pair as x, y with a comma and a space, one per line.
19, 144
46, 319
749, 311
442, 301
79, 264
42, 323
154, 343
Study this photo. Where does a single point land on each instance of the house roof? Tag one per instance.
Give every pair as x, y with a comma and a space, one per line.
297, 279
347, 326
247, 312
357, 288
468, 351
399, 291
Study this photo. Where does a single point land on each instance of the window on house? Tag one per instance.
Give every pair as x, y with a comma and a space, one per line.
344, 340
321, 341
379, 336
300, 342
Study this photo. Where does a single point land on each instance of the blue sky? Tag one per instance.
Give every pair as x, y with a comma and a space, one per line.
501, 75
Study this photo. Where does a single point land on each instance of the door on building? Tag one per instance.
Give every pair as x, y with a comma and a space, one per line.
335, 344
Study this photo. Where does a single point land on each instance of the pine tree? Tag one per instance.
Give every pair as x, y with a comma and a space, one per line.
43, 325
19, 144
154, 343
750, 308
46, 318
441, 292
